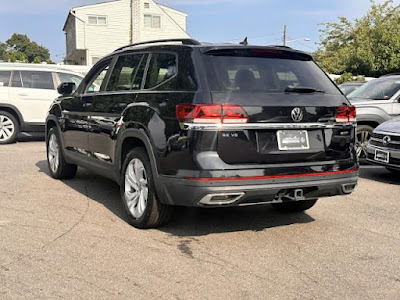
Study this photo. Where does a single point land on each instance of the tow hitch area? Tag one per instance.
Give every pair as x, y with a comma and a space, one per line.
290, 194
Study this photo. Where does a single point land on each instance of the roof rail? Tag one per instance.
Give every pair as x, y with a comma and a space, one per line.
183, 41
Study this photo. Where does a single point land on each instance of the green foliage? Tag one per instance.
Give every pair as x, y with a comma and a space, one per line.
347, 77
369, 45
20, 48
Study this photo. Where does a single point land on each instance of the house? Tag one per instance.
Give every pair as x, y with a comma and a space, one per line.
93, 31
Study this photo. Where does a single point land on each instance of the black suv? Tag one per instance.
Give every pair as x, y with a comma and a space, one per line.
175, 122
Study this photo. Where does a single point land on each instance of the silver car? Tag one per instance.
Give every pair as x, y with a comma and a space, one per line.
384, 146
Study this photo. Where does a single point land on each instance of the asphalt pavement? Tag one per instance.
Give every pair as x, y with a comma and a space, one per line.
70, 240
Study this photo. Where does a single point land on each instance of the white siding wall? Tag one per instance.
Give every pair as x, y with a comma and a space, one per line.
179, 17
101, 40
169, 27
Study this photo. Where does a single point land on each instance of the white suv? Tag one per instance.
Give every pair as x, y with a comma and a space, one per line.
26, 92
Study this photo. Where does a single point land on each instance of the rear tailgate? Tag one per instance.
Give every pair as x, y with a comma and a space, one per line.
291, 107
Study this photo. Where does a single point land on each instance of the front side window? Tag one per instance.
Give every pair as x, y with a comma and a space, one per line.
37, 80
151, 21
162, 69
65, 77
97, 20
123, 75
5, 78
97, 80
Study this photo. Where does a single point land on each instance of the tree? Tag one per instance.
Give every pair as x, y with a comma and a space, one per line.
20, 48
369, 46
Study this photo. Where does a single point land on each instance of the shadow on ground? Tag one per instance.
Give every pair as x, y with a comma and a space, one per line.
186, 221
31, 137
380, 174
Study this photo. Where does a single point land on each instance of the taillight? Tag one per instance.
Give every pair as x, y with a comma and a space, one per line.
346, 114
211, 113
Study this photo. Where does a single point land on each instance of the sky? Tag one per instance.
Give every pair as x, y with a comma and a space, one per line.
261, 21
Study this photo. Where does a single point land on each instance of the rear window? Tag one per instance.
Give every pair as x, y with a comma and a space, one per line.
264, 74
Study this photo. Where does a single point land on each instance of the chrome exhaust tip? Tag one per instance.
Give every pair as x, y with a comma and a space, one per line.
221, 199
348, 187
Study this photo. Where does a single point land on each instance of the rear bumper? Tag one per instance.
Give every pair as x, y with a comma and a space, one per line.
243, 191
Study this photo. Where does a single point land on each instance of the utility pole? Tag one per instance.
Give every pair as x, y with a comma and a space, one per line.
284, 35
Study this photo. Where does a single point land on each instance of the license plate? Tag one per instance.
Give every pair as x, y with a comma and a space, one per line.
293, 140
382, 156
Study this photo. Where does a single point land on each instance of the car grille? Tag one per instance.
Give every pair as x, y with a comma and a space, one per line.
378, 140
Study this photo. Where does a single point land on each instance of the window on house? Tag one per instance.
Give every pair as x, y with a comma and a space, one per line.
162, 69
97, 20
146, 5
151, 21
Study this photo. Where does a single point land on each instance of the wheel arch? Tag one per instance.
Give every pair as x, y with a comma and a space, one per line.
14, 111
130, 139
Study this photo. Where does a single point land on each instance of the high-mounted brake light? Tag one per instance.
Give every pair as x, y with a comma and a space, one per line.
268, 51
211, 113
346, 114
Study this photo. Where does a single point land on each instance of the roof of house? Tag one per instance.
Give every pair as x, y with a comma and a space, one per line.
111, 2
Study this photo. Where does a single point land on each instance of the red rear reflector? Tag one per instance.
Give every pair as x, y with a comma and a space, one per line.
346, 114
211, 113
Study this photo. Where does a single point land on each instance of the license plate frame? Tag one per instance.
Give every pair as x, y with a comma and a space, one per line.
382, 156
292, 140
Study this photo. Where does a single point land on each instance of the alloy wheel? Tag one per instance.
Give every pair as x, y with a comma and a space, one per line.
53, 153
136, 188
362, 142
7, 128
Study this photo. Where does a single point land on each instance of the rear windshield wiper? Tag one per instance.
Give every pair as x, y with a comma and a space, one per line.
302, 89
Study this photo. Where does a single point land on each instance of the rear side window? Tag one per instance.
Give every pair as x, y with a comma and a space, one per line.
264, 74
162, 70
123, 75
37, 80
5, 78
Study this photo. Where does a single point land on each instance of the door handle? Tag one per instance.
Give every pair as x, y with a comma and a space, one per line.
23, 95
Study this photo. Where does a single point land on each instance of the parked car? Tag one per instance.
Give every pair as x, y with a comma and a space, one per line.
26, 93
376, 101
349, 87
384, 146
181, 123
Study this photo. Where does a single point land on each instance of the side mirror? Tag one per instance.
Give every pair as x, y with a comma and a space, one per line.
66, 88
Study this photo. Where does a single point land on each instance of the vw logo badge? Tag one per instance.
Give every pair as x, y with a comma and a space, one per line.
386, 140
297, 114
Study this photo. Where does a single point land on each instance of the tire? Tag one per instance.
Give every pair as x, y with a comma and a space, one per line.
9, 128
59, 168
138, 192
294, 206
363, 135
